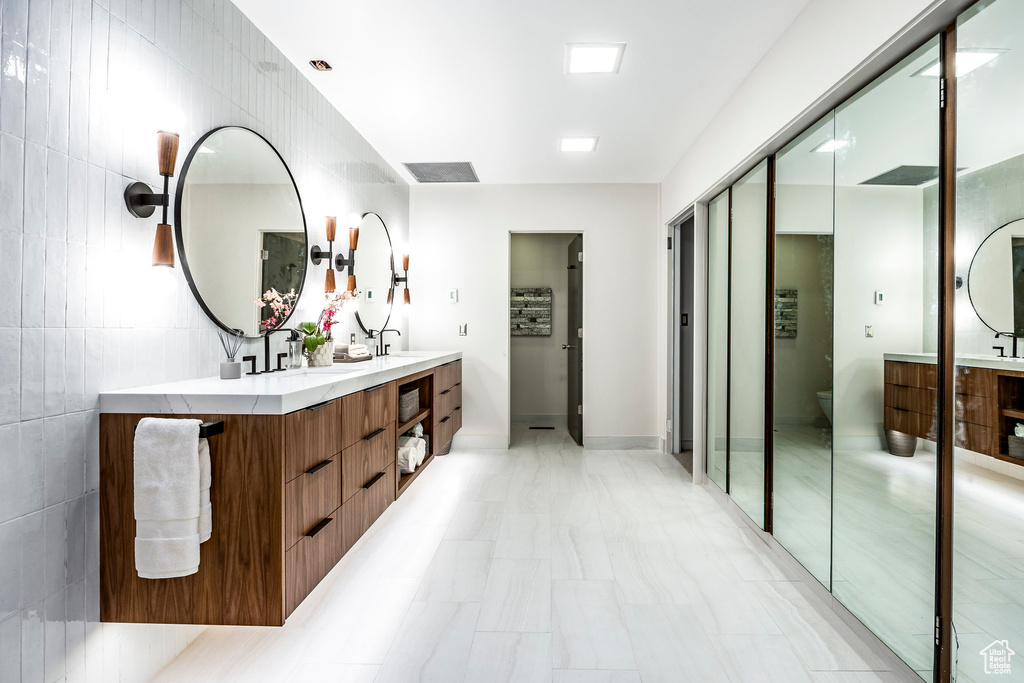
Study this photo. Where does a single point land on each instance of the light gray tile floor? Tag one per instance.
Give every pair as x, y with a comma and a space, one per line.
548, 563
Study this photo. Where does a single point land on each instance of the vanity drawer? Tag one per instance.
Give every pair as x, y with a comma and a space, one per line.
975, 409
311, 558
975, 381
366, 411
908, 422
379, 495
448, 399
977, 438
446, 376
444, 429
457, 419
312, 435
366, 458
910, 398
311, 497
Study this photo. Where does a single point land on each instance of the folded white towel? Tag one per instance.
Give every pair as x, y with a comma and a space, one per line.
171, 470
358, 349
418, 447
406, 459
205, 481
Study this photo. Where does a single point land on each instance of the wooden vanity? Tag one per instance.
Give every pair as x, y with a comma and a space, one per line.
291, 494
989, 403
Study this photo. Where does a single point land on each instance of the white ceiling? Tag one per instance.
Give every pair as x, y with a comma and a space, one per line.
483, 81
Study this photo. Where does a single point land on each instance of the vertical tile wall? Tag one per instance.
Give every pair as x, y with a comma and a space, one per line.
84, 85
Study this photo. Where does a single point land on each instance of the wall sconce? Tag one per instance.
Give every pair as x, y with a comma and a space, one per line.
404, 279
339, 262
142, 201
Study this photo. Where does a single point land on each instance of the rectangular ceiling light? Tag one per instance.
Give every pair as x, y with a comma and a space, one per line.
831, 146
967, 60
593, 58
578, 144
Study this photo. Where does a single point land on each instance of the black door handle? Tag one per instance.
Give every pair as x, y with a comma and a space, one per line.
372, 435
376, 478
375, 388
568, 346
317, 406
317, 467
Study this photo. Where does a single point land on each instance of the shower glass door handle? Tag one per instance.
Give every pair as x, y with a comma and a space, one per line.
567, 346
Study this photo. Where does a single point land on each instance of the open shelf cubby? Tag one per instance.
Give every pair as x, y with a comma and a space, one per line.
424, 382
1010, 390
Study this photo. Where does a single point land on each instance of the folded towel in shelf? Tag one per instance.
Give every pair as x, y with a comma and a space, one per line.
418, 447
406, 459
417, 429
172, 491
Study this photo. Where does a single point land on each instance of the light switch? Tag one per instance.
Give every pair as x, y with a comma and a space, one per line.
462, 329
869, 331
879, 297
453, 296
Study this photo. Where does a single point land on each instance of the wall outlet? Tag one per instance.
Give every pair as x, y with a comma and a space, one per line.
462, 329
453, 296
869, 331
879, 297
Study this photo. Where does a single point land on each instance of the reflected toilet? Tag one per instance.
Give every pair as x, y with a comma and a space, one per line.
825, 401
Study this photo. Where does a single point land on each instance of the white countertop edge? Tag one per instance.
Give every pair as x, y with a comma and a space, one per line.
273, 394
992, 363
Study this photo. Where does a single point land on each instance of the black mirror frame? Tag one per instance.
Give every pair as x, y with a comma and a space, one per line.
179, 240
970, 296
391, 287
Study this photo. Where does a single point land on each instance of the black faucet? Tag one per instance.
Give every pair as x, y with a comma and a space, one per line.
1009, 335
294, 336
382, 348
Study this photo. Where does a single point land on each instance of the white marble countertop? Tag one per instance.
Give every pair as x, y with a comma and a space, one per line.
967, 360
270, 394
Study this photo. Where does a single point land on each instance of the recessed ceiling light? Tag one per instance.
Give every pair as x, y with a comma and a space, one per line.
831, 146
320, 65
593, 58
578, 144
967, 60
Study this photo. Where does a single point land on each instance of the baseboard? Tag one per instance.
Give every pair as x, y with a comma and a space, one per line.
480, 441
540, 420
858, 443
622, 443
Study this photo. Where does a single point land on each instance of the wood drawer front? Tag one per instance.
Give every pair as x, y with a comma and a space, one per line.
366, 411
908, 422
977, 438
378, 496
312, 435
910, 398
975, 382
448, 400
353, 519
978, 410
446, 376
920, 375
367, 458
310, 498
457, 417
444, 430
311, 558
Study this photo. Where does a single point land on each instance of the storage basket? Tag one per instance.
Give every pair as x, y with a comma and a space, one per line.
900, 444
408, 404
1016, 446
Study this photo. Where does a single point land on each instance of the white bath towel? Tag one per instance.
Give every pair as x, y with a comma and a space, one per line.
171, 470
205, 481
418, 447
406, 459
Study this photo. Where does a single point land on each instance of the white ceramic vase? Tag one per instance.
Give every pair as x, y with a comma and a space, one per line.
323, 356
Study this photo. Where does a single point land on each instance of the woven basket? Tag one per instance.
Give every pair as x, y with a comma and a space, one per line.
900, 444
408, 405
1016, 444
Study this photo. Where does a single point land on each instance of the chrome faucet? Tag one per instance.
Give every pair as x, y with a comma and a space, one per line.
382, 348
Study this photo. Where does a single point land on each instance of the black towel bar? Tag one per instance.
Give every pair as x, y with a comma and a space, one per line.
207, 429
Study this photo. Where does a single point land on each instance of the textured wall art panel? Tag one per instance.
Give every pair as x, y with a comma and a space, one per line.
531, 312
785, 313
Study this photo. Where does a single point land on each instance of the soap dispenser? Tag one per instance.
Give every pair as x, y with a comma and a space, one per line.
294, 361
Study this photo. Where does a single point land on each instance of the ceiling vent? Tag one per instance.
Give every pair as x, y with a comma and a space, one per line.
905, 175
443, 172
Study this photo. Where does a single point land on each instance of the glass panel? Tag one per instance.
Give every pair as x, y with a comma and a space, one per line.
718, 333
746, 347
886, 258
802, 517
988, 470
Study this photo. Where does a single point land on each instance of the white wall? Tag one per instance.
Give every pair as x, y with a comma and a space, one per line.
460, 236
804, 65
540, 369
84, 311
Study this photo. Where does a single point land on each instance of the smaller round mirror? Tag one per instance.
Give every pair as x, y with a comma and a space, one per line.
374, 271
995, 282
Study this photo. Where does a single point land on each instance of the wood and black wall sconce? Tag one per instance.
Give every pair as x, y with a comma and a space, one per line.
403, 279
337, 262
142, 201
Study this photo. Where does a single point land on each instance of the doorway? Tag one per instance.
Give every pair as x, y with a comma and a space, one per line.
545, 335
683, 284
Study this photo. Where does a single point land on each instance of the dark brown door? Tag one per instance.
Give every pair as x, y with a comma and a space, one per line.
574, 343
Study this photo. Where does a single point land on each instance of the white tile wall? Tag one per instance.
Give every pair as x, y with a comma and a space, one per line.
84, 84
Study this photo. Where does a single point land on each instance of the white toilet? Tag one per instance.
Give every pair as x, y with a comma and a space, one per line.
825, 401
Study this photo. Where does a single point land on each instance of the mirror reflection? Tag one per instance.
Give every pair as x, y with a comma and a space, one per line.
374, 271
996, 280
240, 229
